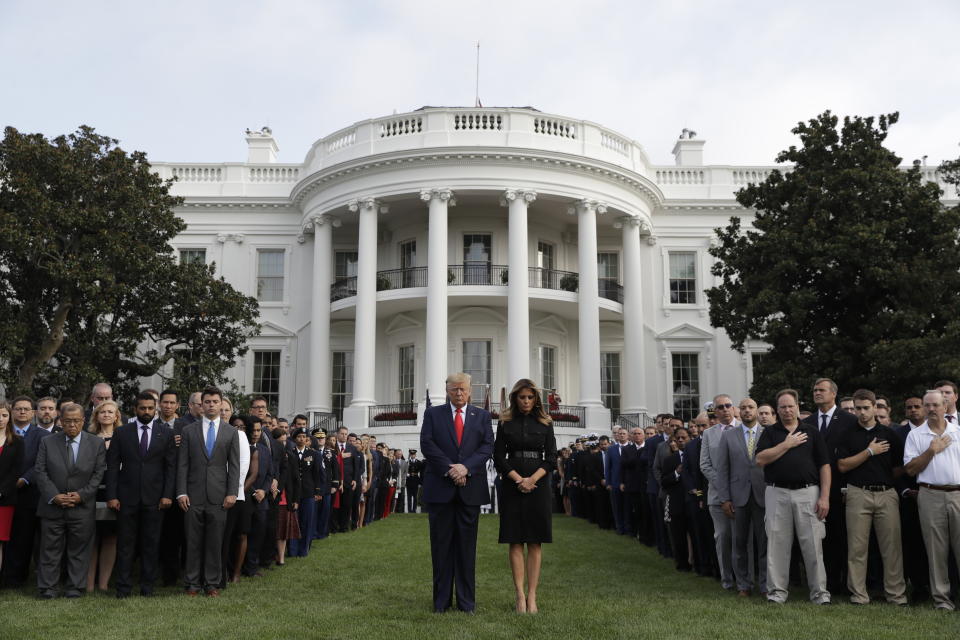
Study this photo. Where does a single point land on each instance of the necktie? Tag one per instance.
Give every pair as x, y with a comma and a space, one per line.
73, 453
823, 424
211, 437
950, 417
751, 443
143, 441
458, 425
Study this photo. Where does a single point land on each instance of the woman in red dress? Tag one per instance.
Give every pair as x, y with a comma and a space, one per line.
11, 459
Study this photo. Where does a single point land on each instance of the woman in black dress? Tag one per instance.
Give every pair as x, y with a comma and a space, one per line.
525, 453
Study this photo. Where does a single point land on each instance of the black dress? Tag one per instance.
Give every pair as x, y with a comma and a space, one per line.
525, 517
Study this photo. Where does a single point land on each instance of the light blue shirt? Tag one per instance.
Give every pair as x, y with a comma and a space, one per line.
746, 434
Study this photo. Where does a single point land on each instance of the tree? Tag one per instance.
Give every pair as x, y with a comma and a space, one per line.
850, 271
89, 285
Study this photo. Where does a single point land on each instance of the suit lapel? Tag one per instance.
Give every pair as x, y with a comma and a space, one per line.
63, 451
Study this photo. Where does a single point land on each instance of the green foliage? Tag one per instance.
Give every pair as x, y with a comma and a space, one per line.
851, 269
87, 273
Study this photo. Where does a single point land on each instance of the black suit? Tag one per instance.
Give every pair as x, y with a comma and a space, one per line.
633, 475
353, 463
675, 508
18, 552
835, 542
915, 563
171, 538
139, 483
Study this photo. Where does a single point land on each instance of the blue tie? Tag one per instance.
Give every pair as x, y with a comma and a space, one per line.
211, 436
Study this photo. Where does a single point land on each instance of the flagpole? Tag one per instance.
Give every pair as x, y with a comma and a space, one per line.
476, 100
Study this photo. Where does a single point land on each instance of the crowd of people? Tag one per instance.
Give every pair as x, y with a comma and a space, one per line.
202, 499
761, 497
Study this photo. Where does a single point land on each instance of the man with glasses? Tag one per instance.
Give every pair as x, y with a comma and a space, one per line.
456, 440
70, 466
914, 553
18, 552
709, 454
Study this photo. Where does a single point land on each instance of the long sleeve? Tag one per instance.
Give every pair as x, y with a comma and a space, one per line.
549, 451
500, 451
89, 492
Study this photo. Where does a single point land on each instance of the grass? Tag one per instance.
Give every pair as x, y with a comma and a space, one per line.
376, 583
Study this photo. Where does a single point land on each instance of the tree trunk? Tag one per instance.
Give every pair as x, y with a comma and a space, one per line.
31, 365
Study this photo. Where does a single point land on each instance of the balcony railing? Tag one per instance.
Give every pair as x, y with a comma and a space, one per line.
477, 274
326, 421
389, 415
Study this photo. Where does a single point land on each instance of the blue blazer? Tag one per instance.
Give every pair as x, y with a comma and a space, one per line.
611, 466
438, 443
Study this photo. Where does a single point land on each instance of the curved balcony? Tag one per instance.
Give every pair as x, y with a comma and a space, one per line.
477, 274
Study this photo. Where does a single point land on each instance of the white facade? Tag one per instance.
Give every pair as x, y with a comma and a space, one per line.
474, 230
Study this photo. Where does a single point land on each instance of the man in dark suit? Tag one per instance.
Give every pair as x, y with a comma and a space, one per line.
456, 440
70, 466
141, 473
613, 480
208, 468
831, 421
351, 464
373, 482
414, 472
740, 490
308, 475
657, 534
633, 484
18, 552
171, 538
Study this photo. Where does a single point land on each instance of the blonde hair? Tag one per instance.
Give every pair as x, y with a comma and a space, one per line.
537, 412
95, 424
457, 378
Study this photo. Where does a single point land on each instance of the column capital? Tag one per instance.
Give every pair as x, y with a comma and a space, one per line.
628, 221
445, 195
318, 220
509, 195
367, 203
587, 205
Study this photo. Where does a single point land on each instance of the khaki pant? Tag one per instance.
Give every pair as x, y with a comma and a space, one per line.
792, 511
940, 523
880, 510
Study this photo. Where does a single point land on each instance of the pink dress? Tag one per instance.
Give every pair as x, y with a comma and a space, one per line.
6, 518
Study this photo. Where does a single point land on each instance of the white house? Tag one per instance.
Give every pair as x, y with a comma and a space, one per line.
503, 242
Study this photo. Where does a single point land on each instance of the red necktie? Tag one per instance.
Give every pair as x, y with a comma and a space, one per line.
458, 425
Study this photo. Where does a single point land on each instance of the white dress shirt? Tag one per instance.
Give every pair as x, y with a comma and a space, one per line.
244, 460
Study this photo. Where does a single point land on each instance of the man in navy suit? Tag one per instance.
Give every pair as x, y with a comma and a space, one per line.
457, 440
613, 479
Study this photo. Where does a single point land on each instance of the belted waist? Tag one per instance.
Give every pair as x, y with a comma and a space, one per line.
794, 486
526, 454
872, 487
940, 487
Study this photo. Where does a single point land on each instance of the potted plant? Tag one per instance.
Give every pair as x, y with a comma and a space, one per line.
570, 282
383, 283
505, 276
450, 276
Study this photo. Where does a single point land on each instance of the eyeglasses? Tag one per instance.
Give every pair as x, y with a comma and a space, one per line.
76, 421
723, 406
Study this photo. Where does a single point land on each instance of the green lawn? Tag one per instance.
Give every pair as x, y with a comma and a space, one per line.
375, 583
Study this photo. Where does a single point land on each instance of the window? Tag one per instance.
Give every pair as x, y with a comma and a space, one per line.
406, 375
608, 273
193, 256
683, 277
266, 377
546, 263
610, 382
270, 275
408, 262
686, 385
476, 362
548, 371
346, 265
342, 382
756, 360
476, 258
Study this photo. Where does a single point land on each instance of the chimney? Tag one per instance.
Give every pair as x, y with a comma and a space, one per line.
688, 150
261, 146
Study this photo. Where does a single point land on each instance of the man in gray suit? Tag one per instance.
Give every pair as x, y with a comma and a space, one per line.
740, 490
208, 468
709, 450
69, 467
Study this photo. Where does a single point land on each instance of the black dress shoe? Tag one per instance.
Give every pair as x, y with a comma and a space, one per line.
46, 595
73, 593
122, 594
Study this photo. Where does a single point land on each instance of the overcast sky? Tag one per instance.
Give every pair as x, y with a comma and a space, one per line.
181, 80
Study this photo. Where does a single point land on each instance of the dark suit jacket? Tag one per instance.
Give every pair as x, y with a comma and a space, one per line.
671, 484
839, 423
611, 466
353, 466
11, 461
208, 480
54, 475
691, 476
265, 474
905, 481
307, 473
438, 442
649, 454
136, 480
633, 469
31, 445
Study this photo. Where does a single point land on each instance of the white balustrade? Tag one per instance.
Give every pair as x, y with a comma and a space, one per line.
401, 126
477, 121
680, 176
342, 141
197, 174
274, 174
555, 127
614, 143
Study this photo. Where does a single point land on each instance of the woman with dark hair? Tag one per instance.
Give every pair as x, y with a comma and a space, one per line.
525, 452
11, 459
288, 525
237, 526
262, 474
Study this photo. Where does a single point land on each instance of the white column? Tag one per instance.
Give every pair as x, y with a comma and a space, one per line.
597, 417
633, 384
437, 258
365, 325
318, 396
518, 300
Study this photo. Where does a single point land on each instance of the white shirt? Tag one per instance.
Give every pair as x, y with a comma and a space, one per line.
244, 460
829, 415
944, 467
463, 413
